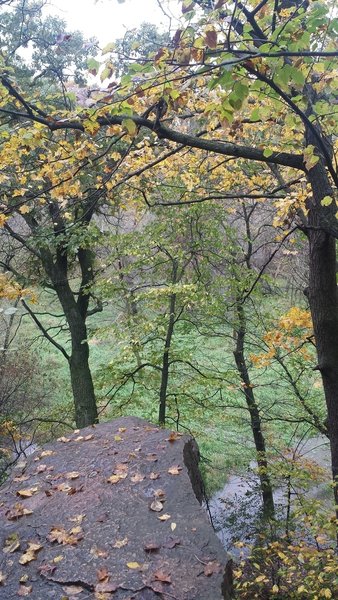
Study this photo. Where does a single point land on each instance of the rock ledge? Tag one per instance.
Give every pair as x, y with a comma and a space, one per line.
110, 512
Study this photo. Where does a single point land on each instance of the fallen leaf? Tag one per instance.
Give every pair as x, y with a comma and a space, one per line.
73, 590
211, 568
163, 576
117, 438
61, 536
30, 554
17, 511
47, 453
164, 517
63, 439
173, 436
156, 505
2, 578
154, 475
24, 578
21, 478
58, 558
122, 429
12, 543
102, 574
137, 478
175, 470
88, 437
173, 526
159, 494
114, 479
46, 569
152, 457
77, 518
63, 487
151, 547
72, 475
121, 543
98, 553
133, 565
27, 493
41, 468
25, 590
171, 542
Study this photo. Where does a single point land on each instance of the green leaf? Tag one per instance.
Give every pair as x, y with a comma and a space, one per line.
267, 152
326, 201
255, 115
93, 66
130, 126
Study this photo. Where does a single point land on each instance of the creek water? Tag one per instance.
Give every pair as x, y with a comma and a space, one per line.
236, 508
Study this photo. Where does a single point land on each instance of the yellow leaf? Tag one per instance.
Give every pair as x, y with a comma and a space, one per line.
164, 517
24, 209
326, 201
173, 526
30, 553
3, 219
133, 565
27, 493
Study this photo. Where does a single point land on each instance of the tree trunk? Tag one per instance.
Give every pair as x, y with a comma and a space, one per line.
166, 351
255, 418
81, 377
82, 382
323, 300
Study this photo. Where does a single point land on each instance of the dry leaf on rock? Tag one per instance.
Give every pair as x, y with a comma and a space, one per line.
137, 478
72, 475
12, 543
30, 554
156, 505
133, 565
211, 568
163, 576
121, 543
27, 493
73, 590
164, 517
25, 590
102, 574
175, 470
17, 511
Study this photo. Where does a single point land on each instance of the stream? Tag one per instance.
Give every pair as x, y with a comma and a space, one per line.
236, 508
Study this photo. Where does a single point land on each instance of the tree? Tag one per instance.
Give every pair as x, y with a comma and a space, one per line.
224, 62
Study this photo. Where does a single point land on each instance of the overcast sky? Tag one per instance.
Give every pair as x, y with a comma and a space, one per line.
108, 19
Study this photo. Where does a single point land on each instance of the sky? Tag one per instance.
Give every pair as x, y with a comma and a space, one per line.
109, 19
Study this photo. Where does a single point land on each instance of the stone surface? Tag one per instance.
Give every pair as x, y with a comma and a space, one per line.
110, 512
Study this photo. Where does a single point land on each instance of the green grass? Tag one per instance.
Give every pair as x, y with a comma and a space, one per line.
222, 432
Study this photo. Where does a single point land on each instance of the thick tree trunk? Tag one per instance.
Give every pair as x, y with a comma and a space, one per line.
82, 384
81, 377
255, 418
322, 294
